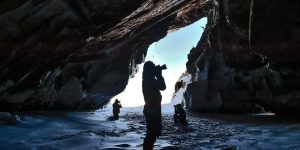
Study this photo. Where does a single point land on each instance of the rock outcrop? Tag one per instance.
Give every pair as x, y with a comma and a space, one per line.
250, 53
77, 54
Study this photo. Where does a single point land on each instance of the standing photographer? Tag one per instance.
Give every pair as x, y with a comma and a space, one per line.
153, 83
116, 108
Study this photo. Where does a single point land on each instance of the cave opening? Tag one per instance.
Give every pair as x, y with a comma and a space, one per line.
171, 50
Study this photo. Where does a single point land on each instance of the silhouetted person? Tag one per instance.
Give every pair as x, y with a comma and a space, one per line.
153, 83
179, 115
116, 108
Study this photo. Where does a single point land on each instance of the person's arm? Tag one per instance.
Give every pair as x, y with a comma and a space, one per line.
161, 82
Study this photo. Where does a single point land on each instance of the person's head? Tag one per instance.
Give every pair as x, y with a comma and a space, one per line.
149, 69
117, 100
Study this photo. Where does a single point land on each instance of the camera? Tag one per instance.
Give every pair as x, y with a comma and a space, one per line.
163, 67
159, 68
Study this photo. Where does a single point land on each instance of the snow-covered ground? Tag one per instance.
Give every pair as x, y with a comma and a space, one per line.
96, 130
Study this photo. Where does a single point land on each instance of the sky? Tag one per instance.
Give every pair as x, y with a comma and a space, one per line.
172, 50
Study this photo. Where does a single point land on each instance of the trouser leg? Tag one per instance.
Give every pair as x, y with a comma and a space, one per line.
154, 127
149, 142
116, 115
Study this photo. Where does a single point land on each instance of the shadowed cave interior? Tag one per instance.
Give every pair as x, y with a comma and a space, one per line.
61, 62
81, 59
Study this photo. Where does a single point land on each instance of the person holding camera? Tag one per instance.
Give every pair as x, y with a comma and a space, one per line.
153, 83
116, 108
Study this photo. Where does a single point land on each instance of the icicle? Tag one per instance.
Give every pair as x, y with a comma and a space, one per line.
215, 12
250, 25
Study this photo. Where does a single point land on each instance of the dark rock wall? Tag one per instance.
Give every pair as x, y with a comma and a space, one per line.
74, 55
40, 42
248, 59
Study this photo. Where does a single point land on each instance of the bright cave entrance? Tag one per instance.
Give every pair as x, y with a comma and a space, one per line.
172, 50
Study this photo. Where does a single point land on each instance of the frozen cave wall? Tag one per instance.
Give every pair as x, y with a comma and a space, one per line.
77, 54
247, 57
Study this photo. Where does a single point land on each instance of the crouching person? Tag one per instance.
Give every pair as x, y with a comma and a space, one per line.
179, 116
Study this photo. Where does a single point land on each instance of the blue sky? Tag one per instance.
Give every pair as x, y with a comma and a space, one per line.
172, 50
